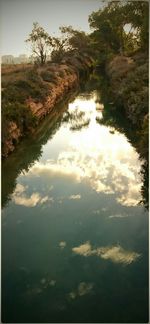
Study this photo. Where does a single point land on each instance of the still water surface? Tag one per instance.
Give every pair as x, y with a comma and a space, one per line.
74, 237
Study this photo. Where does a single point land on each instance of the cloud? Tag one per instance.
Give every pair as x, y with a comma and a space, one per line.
84, 249
20, 197
83, 289
61, 169
108, 163
75, 197
96, 211
104, 174
115, 254
27, 201
20, 188
118, 216
62, 244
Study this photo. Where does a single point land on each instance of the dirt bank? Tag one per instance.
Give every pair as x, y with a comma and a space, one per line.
30, 94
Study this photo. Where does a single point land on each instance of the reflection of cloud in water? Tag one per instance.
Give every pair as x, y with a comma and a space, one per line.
62, 244
117, 254
118, 216
107, 162
96, 211
104, 209
39, 287
34, 291
75, 197
83, 289
20, 188
114, 253
84, 249
20, 198
52, 283
19, 221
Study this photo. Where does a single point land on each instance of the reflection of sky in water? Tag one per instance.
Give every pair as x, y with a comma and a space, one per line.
83, 289
73, 243
20, 197
114, 253
107, 162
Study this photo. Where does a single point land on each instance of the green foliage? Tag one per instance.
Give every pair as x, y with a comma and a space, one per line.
14, 106
144, 138
20, 90
134, 92
49, 76
40, 42
33, 75
77, 40
120, 27
71, 42
137, 14
20, 114
61, 74
57, 55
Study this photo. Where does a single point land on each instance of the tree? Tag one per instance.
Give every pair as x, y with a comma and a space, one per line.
40, 42
137, 13
77, 40
109, 23
72, 42
60, 48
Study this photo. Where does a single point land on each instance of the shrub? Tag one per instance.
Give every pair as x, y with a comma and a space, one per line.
48, 76
33, 76
20, 114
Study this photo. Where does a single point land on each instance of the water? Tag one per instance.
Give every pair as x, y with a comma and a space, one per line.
74, 236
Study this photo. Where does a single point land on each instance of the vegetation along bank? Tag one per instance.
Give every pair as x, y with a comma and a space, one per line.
116, 50
120, 39
30, 92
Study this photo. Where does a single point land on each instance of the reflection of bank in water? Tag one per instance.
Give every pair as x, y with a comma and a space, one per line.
97, 153
118, 121
30, 149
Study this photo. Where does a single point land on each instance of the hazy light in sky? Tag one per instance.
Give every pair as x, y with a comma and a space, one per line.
17, 17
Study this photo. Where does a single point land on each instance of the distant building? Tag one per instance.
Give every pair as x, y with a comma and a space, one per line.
10, 59
23, 58
7, 59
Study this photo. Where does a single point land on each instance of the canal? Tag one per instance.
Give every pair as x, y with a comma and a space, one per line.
74, 234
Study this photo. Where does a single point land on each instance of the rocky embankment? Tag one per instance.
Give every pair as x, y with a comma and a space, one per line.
31, 94
64, 80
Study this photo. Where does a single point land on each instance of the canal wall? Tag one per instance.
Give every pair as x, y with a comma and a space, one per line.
29, 95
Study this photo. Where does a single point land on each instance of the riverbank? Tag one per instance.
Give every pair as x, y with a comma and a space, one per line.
123, 88
71, 205
128, 79
31, 92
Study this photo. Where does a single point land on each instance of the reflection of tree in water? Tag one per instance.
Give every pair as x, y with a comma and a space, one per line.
30, 150
119, 122
76, 119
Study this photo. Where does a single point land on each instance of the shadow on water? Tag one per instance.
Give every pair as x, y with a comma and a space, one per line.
30, 149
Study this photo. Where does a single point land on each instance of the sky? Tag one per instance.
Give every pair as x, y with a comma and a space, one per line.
17, 17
